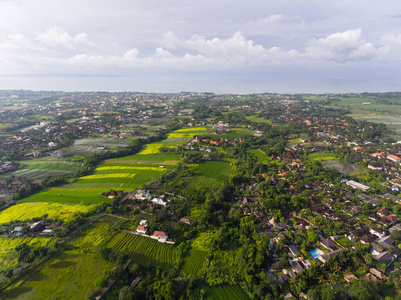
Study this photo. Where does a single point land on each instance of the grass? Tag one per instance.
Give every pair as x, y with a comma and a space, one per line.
8, 256
215, 169
27, 211
194, 262
259, 155
144, 250
63, 275
256, 118
225, 292
322, 155
94, 234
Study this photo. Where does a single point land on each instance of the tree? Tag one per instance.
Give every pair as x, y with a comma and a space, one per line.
362, 289
283, 262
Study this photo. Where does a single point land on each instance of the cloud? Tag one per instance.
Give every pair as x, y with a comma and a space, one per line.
57, 37
341, 47
58, 51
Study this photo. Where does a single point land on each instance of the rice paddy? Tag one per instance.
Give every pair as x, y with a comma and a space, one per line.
28, 211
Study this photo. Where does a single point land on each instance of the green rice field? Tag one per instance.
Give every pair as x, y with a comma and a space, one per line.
225, 292
194, 262
144, 250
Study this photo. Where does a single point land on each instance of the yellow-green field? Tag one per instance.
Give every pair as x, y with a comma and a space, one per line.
187, 132
8, 256
27, 211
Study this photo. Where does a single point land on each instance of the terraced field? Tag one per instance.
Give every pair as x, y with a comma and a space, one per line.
194, 262
144, 250
27, 211
94, 234
225, 292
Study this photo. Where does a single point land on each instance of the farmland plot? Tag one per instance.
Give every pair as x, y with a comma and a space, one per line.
8, 256
39, 169
93, 234
144, 250
215, 169
27, 211
195, 262
225, 292
187, 132
89, 146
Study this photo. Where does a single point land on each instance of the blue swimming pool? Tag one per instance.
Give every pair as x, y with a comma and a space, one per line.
314, 253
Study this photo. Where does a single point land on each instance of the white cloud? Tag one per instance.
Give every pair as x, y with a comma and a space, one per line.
57, 37
341, 47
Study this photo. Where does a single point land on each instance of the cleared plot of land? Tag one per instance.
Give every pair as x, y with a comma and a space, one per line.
8, 256
341, 166
187, 132
144, 250
89, 146
225, 292
27, 211
65, 275
194, 262
215, 169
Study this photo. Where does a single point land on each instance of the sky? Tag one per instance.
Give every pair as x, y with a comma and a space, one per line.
217, 46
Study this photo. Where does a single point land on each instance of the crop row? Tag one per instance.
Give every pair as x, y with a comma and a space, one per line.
144, 250
225, 292
194, 262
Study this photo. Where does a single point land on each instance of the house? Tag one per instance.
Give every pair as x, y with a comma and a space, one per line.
348, 277
393, 158
159, 202
328, 244
370, 277
289, 296
378, 274
325, 257
58, 154
376, 249
141, 229
391, 219
296, 266
46, 232
37, 226
112, 195
368, 239
375, 166
384, 257
143, 223
143, 195
357, 185
185, 220
294, 249
160, 236
17, 231
386, 241
377, 231
383, 212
